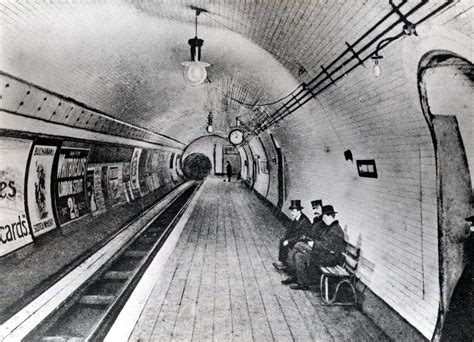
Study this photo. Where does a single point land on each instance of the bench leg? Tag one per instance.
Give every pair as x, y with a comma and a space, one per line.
327, 300
324, 288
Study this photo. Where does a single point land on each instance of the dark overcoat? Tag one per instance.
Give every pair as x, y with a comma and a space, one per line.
328, 249
297, 229
317, 228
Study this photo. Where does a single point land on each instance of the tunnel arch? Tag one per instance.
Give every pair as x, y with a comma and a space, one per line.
141, 101
196, 140
218, 150
196, 166
454, 164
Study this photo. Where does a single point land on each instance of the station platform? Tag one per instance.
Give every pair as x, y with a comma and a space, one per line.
219, 283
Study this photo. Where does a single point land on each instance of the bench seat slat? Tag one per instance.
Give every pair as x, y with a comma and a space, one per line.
351, 261
342, 271
352, 250
337, 271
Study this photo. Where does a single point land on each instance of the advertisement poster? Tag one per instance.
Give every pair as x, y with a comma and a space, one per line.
90, 191
148, 170
104, 170
143, 173
154, 170
156, 180
98, 192
264, 166
127, 182
70, 195
134, 172
14, 228
115, 186
40, 208
95, 197
149, 183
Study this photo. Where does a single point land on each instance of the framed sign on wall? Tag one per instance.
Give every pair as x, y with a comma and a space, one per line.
264, 166
230, 150
367, 168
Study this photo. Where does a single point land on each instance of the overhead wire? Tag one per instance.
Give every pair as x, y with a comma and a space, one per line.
263, 104
310, 91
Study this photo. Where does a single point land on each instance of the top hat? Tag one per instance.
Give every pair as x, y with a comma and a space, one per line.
315, 203
295, 204
327, 210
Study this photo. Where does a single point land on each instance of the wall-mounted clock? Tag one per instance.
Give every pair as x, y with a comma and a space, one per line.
236, 136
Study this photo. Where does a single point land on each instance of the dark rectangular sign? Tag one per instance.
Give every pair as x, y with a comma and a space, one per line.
366, 168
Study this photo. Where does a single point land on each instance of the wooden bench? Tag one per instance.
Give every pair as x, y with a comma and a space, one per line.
344, 274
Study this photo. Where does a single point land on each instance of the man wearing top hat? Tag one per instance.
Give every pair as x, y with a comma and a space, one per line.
325, 251
299, 227
318, 225
314, 232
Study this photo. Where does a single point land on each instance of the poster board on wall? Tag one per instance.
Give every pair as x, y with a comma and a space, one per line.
127, 182
143, 178
264, 166
134, 172
95, 196
115, 184
155, 169
149, 170
39, 197
230, 150
14, 228
70, 184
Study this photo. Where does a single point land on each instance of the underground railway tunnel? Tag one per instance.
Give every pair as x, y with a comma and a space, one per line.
196, 166
119, 123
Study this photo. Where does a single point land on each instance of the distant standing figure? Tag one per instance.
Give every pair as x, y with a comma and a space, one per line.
229, 171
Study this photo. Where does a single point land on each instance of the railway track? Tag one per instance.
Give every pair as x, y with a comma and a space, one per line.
90, 312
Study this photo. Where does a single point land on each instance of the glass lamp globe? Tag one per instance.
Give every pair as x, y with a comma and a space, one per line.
195, 72
376, 71
209, 129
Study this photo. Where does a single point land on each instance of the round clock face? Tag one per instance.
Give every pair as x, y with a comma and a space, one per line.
236, 136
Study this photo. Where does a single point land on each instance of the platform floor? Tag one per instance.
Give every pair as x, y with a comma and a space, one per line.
219, 284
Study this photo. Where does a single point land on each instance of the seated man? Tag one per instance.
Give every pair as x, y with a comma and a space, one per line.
299, 227
325, 251
316, 228
314, 233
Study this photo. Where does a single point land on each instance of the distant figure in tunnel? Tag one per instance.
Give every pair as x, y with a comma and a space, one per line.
299, 227
229, 171
325, 251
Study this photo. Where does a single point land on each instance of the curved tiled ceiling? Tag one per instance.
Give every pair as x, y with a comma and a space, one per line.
123, 58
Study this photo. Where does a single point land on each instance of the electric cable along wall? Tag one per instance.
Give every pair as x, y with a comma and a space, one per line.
333, 72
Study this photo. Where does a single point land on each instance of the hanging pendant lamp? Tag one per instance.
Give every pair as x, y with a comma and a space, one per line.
195, 72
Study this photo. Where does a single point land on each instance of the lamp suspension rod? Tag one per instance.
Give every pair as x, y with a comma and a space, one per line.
196, 24
298, 101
